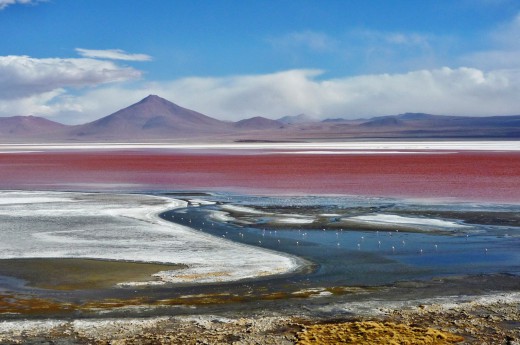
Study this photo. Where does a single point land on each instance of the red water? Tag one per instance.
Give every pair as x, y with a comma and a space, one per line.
486, 176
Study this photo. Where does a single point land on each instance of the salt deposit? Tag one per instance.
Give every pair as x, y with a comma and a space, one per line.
383, 146
394, 219
125, 227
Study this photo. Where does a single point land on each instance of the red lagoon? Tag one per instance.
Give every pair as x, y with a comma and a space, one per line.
485, 176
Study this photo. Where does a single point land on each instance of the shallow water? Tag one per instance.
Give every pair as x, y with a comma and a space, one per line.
350, 255
474, 245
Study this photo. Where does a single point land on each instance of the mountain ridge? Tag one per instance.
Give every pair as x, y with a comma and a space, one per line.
155, 118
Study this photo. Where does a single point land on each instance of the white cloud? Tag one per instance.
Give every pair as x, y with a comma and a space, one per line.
5, 3
461, 91
112, 54
23, 76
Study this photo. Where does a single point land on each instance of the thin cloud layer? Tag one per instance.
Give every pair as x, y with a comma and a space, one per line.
504, 51
23, 76
5, 3
112, 54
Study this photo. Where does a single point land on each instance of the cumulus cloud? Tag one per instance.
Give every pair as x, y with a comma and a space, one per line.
112, 54
23, 76
5, 3
460, 91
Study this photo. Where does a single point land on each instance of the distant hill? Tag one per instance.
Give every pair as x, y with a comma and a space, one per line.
155, 118
300, 118
20, 127
383, 122
258, 123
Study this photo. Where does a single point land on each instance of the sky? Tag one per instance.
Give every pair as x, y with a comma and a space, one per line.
76, 61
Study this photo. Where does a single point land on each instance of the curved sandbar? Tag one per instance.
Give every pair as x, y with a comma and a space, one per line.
126, 227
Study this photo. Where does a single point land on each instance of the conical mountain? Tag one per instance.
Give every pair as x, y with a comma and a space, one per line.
152, 117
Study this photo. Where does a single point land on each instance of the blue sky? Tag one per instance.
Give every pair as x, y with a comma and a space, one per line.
74, 61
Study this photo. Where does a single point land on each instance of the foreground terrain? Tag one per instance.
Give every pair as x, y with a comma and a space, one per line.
95, 307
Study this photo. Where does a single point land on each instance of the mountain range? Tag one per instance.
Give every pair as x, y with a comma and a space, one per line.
155, 118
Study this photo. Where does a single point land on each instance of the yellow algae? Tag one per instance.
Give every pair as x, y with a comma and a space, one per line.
374, 332
19, 304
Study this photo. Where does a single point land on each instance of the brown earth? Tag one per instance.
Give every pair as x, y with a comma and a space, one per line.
482, 323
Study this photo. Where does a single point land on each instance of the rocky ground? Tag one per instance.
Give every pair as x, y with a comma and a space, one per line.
493, 321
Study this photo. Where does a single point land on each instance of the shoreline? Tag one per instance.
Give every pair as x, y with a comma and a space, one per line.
488, 319
469, 316
110, 207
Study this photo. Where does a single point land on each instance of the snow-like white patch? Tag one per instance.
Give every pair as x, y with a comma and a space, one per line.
13, 197
293, 220
330, 215
458, 302
461, 145
221, 216
126, 227
201, 202
394, 219
99, 328
18, 328
240, 209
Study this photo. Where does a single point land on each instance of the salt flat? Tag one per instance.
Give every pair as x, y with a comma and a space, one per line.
125, 227
392, 147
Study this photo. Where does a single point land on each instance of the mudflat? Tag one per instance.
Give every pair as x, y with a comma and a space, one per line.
75, 274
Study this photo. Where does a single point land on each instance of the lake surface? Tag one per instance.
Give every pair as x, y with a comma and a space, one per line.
435, 240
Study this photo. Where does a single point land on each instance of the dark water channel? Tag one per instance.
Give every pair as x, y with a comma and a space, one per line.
352, 256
